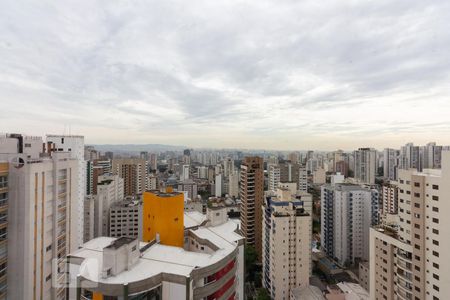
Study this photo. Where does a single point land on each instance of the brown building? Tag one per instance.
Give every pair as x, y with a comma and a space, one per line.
252, 194
134, 173
342, 167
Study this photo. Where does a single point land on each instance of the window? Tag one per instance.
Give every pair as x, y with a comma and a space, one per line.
417, 184
435, 187
435, 209
417, 195
435, 231
435, 253
435, 242
435, 265
435, 198
436, 220
435, 276
436, 288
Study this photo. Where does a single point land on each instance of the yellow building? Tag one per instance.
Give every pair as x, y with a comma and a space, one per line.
163, 214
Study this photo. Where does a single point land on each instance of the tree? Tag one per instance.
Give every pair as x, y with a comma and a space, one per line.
250, 257
262, 294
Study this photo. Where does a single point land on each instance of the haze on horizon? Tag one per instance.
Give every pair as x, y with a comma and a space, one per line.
228, 74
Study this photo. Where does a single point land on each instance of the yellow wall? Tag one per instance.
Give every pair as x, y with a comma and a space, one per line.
164, 214
97, 296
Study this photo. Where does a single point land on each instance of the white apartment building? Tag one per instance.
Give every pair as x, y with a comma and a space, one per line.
348, 211
390, 163
365, 165
410, 262
42, 217
274, 177
185, 172
218, 184
302, 180
110, 190
233, 184
286, 244
74, 144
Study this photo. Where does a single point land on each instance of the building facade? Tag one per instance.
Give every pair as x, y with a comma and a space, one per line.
286, 245
348, 211
74, 144
134, 173
252, 194
42, 217
407, 261
365, 169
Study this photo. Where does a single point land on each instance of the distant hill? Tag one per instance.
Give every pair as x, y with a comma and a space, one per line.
137, 147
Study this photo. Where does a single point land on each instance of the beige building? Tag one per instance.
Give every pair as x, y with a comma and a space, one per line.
389, 198
320, 176
134, 173
286, 244
409, 261
252, 194
42, 217
4, 170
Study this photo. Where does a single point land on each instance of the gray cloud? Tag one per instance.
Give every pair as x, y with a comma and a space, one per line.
243, 71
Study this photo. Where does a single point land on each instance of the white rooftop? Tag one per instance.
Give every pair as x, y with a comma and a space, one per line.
161, 258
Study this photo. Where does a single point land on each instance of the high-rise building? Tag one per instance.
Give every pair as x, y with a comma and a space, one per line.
4, 170
286, 244
134, 173
274, 177
74, 144
188, 186
233, 184
144, 155
389, 198
185, 172
390, 163
342, 167
409, 157
365, 165
348, 211
228, 166
219, 185
42, 217
302, 180
408, 261
289, 172
153, 161
252, 194
110, 190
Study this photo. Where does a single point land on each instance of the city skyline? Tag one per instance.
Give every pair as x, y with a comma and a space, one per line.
254, 75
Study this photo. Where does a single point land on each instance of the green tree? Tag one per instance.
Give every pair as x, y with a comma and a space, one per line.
250, 257
262, 294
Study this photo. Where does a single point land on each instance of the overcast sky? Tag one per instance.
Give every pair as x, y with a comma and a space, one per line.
252, 74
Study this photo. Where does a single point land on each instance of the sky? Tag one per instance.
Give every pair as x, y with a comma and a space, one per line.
281, 74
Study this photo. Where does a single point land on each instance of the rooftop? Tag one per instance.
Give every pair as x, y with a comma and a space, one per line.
158, 259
